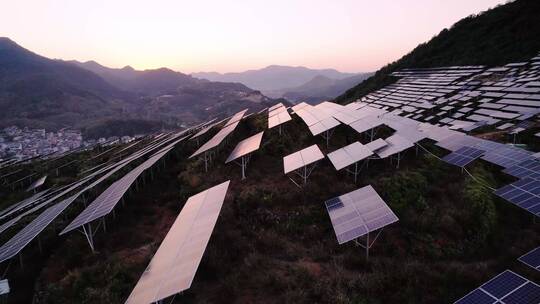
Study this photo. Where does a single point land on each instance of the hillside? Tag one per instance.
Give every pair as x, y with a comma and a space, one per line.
507, 33
147, 82
322, 88
273, 78
36, 91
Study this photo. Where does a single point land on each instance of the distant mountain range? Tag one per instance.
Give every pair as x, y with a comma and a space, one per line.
292, 82
39, 92
322, 88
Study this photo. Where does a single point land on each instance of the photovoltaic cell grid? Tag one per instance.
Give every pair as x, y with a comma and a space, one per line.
276, 118
506, 156
463, 156
507, 287
109, 198
302, 158
246, 146
14, 245
524, 193
527, 169
357, 213
175, 263
532, 258
349, 155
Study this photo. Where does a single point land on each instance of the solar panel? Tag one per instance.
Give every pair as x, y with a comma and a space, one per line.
175, 263
302, 158
38, 183
524, 193
236, 117
246, 146
463, 156
527, 169
323, 125
357, 213
14, 245
366, 123
396, 144
109, 198
507, 287
377, 144
507, 156
278, 119
349, 155
532, 258
217, 139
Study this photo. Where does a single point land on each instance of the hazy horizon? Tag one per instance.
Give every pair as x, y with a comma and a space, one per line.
356, 36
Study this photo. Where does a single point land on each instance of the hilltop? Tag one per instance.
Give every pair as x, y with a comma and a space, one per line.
506, 33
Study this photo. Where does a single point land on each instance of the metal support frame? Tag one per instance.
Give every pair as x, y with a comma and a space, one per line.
304, 174
89, 233
398, 157
368, 244
356, 170
326, 135
244, 160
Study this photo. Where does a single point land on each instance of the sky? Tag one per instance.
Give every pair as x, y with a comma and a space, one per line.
231, 36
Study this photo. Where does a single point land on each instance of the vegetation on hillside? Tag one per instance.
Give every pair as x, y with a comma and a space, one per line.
274, 242
504, 34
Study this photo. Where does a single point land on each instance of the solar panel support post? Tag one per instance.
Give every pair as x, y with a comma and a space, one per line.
21, 260
89, 235
205, 162
368, 244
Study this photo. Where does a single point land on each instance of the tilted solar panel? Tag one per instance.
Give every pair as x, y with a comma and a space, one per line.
14, 245
357, 213
524, 193
527, 169
463, 156
246, 146
175, 263
349, 155
302, 158
532, 258
507, 287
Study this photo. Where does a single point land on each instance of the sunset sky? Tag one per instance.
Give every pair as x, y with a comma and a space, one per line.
230, 36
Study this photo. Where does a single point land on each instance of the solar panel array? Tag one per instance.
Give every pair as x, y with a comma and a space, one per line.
246, 146
349, 155
464, 97
28, 233
109, 198
527, 169
216, 140
507, 288
175, 263
302, 158
532, 258
318, 119
463, 156
14, 245
277, 115
524, 193
357, 213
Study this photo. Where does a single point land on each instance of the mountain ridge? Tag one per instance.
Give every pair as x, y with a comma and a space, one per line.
491, 38
273, 77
